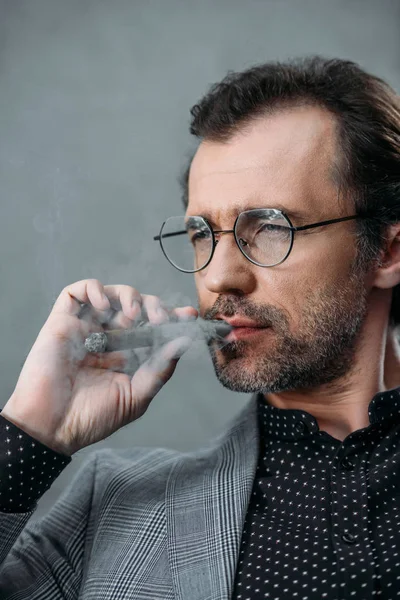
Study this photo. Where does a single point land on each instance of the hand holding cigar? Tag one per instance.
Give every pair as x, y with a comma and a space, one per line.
155, 335
69, 398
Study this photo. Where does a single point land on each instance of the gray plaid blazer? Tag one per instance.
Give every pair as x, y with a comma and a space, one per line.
139, 524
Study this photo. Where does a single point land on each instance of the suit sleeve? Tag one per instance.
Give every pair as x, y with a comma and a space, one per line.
44, 558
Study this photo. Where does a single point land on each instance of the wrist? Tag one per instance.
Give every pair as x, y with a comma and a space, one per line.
24, 423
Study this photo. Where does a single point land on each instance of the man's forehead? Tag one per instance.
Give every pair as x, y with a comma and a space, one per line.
283, 161
302, 137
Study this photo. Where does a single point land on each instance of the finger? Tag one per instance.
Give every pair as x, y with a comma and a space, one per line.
118, 320
185, 313
93, 316
158, 369
116, 306
154, 309
109, 319
87, 291
126, 307
126, 299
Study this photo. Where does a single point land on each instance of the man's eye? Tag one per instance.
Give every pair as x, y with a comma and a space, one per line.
270, 227
199, 235
273, 229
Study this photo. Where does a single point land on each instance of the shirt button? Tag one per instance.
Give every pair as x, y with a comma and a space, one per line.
346, 463
349, 538
301, 427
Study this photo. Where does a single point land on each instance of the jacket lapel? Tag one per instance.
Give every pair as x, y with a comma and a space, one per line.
206, 501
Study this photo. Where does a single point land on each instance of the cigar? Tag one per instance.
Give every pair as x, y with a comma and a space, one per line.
155, 335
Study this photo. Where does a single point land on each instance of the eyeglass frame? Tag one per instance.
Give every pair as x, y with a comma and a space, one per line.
216, 231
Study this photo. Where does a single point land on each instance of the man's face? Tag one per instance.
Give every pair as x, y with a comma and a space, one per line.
313, 303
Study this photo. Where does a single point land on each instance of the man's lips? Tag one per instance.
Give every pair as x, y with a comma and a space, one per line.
240, 322
242, 328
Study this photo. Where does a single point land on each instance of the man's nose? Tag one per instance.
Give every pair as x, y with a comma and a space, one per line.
228, 270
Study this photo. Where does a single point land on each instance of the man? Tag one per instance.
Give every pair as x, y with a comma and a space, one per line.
293, 230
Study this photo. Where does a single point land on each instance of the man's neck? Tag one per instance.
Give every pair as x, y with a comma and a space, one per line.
341, 407
338, 418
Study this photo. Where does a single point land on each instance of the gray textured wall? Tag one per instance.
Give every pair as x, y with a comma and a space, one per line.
94, 111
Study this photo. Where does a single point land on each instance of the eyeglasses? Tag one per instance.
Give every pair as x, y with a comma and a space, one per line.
263, 235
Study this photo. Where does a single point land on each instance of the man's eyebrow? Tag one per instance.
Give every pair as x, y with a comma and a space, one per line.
298, 216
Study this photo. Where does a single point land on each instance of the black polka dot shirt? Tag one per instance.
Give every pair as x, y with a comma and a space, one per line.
324, 517
27, 468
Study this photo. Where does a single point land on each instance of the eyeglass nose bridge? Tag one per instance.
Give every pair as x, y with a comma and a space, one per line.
215, 241
222, 231
238, 244
218, 231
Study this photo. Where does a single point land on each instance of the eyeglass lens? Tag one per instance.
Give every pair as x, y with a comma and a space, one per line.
264, 237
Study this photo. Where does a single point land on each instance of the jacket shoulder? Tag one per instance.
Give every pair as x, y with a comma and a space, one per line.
140, 474
145, 473
136, 464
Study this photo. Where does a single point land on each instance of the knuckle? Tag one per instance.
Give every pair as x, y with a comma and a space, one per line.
152, 302
68, 289
95, 283
124, 291
82, 282
128, 292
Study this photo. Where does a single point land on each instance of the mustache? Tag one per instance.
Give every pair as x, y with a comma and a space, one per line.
265, 315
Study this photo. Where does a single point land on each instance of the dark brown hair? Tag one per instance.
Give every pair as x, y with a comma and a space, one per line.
367, 111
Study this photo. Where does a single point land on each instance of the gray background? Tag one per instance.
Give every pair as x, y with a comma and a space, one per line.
94, 112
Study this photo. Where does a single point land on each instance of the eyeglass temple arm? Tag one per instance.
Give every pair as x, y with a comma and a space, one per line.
157, 237
320, 223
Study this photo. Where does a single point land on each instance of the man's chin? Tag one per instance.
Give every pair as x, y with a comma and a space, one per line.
239, 354
229, 351
239, 384
236, 374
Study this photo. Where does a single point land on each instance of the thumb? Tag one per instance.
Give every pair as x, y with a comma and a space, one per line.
158, 369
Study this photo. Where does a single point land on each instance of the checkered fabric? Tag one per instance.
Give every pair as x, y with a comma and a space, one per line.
142, 524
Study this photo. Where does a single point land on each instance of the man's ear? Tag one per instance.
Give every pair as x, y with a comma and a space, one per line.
387, 275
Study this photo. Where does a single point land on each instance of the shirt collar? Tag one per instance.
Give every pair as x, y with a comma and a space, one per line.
293, 424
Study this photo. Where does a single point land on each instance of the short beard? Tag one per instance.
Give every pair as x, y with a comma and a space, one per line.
322, 350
